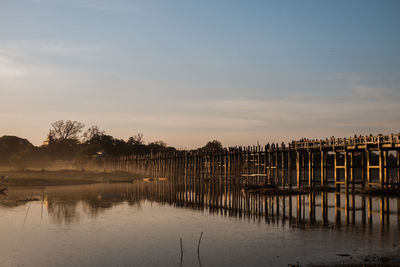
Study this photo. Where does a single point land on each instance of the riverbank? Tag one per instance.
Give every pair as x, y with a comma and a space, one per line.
61, 177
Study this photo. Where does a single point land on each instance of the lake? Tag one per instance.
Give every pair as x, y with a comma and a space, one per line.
141, 224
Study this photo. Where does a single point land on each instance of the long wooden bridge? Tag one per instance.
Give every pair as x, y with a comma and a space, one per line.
372, 161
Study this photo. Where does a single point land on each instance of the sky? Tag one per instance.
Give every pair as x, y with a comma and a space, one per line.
187, 71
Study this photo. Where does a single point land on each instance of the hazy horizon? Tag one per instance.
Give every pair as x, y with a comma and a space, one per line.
189, 72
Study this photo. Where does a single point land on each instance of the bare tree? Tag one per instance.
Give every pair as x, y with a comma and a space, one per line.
65, 130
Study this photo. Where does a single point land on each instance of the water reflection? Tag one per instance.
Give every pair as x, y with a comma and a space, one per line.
330, 210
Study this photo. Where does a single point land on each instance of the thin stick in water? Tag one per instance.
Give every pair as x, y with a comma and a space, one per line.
181, 247
198, 245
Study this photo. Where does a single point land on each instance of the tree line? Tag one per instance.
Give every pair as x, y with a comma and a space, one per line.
69, 141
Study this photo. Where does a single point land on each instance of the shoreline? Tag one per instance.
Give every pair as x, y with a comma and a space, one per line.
61, 177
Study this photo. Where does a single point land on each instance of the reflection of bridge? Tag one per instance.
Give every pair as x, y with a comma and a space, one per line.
365, 160
218, 197
313, 209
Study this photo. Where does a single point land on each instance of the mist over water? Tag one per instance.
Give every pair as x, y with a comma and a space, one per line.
140, 224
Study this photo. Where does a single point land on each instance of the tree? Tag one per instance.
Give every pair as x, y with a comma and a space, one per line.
136, 140
159, 143
65, 130
214, 145
10, 145
91, 133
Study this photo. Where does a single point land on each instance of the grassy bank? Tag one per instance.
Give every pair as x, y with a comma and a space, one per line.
61, 177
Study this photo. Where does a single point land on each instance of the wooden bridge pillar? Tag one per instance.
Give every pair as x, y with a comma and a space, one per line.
398, 167
276, 167
289, 169
334, 168
352, 169
270, 166
381, 167
310, 181
368, 156
385, 168
298, 169
346, 181
322, 168
283, 168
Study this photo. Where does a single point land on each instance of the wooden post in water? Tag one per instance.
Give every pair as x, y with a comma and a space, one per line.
289, 169
352, 169
368, 156
310, 182
385, 168
283, 168
381, 167
335, 168
298, 169
322, 168
276, 166
346, 181
398, 168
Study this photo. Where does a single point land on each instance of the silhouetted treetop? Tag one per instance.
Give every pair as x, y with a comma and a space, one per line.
63, 130
214, 145
136, 139
91, 133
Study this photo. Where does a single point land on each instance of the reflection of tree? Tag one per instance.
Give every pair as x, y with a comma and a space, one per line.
63, 212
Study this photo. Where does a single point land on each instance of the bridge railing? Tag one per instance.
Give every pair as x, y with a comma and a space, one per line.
361, 140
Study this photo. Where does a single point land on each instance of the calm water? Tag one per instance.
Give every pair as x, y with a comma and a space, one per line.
140, 224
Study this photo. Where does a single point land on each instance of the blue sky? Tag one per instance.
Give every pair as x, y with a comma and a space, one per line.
189, 71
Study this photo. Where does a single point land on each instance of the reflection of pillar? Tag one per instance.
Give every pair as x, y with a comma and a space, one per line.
277, 206
298, 214
346, 207
353, 209
363, 204
387, 211
324, 207
370, 210
311, 207
290, 209
337, 208
398, 210
284, 208
382, 211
